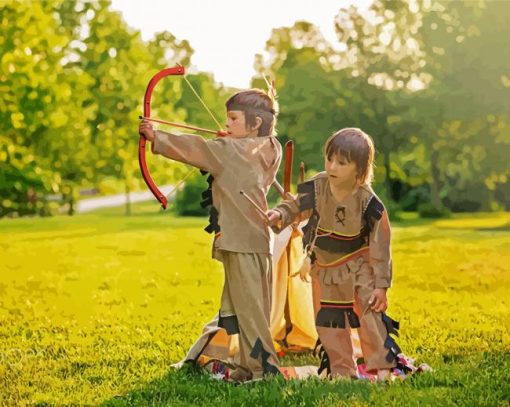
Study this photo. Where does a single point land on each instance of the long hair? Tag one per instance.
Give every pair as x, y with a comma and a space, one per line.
355, 145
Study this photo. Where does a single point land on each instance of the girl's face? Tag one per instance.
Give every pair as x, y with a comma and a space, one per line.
236, 125
341, 173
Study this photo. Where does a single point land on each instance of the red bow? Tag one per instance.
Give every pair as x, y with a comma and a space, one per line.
287, 175
177, 70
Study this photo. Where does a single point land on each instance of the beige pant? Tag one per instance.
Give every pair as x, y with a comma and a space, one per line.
342, 285
246, 298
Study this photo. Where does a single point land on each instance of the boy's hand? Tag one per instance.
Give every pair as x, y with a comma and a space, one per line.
289, 197
378, 300
145, 129
273, 217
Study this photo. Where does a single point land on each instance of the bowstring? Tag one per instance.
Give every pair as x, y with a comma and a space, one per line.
181, 181
203, 103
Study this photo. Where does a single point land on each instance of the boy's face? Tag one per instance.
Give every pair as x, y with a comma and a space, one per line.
236, 125
340, 171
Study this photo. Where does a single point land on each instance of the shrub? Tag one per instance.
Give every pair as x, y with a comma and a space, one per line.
427, 210
187, 200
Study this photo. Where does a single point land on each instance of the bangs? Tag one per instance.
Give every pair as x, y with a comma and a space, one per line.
347, 147
355, 146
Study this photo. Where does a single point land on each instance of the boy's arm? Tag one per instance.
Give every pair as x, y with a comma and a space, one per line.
190, 149
380, 251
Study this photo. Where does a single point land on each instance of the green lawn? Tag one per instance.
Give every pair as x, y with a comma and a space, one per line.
94, 309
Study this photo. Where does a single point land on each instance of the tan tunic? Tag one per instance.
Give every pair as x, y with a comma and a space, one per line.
345, 220
347, 269
248, 164
244, 243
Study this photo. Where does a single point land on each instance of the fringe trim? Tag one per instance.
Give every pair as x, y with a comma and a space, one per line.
207, 200
319, 351
392, 328
258, 350
229, 323
333, 315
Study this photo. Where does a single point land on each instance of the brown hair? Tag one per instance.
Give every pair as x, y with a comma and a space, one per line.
255, 103
355, 145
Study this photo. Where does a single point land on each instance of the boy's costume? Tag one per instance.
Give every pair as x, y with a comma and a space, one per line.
242, 238
292, 315
349, 246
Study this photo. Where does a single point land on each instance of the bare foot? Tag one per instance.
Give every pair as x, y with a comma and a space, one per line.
383, 374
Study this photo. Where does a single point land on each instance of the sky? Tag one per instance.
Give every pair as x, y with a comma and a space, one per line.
226, 34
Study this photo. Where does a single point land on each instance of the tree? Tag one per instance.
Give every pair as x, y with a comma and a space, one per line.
36, 108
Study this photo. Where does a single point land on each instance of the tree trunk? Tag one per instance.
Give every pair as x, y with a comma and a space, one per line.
387, 176
128, 200
435, 187
71, 203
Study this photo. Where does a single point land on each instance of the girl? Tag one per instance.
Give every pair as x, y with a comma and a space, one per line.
348, 242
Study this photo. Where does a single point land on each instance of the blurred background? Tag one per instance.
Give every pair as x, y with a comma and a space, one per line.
428, 80
95, 307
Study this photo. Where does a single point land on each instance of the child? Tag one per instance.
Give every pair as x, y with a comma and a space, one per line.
348, 240
247, 159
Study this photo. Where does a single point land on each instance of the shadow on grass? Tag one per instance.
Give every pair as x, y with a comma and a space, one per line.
88, 225
474, 379
469, 379
502, 228
197, 388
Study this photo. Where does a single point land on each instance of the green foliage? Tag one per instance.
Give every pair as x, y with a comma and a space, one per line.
187, 200
412, 198
99, 306
72, 83
403, 78
428, 81
37, 116
391, 206
428, 210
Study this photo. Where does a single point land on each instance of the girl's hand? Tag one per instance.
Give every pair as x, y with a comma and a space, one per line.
378, 300
145, 129
305, 270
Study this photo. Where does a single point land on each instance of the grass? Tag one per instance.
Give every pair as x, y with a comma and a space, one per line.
94, 309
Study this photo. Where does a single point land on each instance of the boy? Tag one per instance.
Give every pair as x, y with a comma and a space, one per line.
247, 159
348, 240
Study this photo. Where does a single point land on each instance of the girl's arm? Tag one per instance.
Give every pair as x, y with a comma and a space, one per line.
286, 213
380, 251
